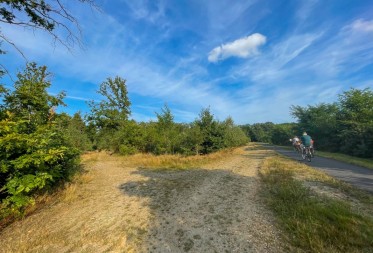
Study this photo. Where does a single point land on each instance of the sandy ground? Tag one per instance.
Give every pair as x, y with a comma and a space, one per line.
125, 209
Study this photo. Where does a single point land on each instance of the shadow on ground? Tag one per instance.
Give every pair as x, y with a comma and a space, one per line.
195, 210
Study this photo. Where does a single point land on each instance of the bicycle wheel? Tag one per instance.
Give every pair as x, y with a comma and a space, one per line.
309, 156
299, 150
303, 154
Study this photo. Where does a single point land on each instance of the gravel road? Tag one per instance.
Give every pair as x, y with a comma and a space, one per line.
122, 208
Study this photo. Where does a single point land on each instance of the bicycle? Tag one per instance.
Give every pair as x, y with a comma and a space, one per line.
312, 151
297, 148
306, 154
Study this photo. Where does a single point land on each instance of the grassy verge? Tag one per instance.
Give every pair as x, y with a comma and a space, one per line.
314, 213
368, 163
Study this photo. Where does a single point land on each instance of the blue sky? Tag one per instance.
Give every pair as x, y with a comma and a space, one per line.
250, 60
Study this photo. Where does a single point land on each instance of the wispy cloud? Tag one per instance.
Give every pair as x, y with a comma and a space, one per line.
362, 25
271, 65
305, 9
243, 48
78, 98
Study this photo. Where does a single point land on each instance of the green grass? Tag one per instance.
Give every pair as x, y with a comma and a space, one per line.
313, 223
364, 162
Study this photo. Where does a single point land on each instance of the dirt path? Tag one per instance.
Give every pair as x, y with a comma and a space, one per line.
356, 175
124, 209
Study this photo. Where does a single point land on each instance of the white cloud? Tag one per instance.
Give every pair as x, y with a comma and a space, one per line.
243, 48
361, 25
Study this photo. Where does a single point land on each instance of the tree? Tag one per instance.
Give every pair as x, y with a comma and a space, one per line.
192, 139
111, 114
345, 126
261, 132
212, 132
282, 132
234, 136
75, 130
166, 128
30, 100
41, 14
34, 153
355, 118
320, 121
50, 16
114, 108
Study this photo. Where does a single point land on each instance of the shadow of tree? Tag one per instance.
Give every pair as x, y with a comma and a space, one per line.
196, 210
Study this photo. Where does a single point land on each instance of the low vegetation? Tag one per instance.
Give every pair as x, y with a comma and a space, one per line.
315, 211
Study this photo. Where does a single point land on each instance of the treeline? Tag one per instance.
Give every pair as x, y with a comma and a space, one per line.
109, 128
39, 148
163, 136
345, 126
269, 132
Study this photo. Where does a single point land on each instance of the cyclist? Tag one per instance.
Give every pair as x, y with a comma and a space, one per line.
306, 141
296, 143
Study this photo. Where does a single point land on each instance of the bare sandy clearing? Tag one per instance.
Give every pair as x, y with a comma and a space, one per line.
124, 209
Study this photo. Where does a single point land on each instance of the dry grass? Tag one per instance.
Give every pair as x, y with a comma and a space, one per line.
67, 192
96, 213
70, 190
150, 161
176, 161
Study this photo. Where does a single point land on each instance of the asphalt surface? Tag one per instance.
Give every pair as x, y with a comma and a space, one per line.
356, 175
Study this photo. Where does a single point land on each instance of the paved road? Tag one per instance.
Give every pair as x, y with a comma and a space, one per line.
356, 175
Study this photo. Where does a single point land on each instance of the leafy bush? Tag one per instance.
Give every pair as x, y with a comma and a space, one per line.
34, 153
127, 150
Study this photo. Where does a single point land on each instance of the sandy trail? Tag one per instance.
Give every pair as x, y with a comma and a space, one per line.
125, 209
